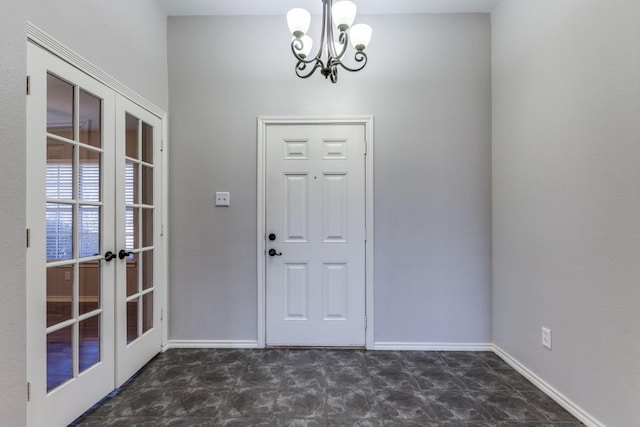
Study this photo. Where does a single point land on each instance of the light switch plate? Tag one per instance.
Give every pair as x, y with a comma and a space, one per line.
546, 338
223, 198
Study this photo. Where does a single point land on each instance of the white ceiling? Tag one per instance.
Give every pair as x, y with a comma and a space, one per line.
280, 7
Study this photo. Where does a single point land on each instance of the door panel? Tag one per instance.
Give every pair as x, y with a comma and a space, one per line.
296, 207
315, 289
334, 208
335, 291
296, 286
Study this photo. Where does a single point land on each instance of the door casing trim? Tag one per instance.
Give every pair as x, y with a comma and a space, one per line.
263, 124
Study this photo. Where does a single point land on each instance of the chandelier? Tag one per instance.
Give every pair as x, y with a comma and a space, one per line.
339, 15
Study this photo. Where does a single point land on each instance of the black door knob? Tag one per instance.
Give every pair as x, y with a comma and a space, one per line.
123, 254
108, 256
273, 252
272, 237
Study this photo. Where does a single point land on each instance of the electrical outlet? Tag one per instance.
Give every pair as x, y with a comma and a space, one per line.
546, 337
223, 198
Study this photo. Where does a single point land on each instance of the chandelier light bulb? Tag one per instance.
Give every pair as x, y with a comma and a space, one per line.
299, 21
360, 35
343, 13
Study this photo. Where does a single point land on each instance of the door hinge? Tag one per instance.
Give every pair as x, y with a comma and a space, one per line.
28, 391
28, 237
28, 85
161, 314
161, 230
162, 144
365, 322
366, 148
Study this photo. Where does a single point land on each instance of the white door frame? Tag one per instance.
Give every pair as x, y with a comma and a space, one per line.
263, 124
48, 43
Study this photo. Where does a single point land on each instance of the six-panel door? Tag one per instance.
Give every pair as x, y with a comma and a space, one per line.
315, 289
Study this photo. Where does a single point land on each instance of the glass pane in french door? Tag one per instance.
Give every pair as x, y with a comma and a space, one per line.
139, 214
74, 206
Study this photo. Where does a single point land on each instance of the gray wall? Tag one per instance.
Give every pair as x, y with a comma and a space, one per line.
12, 224
428, 86
566, 197
126, 39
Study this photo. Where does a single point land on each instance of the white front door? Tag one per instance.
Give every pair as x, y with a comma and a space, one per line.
92, 313
315, 235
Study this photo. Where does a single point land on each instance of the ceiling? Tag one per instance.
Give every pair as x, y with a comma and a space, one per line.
280, 7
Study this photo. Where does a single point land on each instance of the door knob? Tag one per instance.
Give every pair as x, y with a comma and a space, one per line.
273, 252
272, 237
123, 254
108, 256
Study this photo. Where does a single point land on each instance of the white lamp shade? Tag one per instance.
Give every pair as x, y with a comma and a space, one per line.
343, 13
298, 20
307, 44
360, 35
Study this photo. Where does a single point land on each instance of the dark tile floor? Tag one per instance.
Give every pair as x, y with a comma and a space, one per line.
314, 387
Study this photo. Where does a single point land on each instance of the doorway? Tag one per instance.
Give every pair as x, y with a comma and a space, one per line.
94, 203
315, 232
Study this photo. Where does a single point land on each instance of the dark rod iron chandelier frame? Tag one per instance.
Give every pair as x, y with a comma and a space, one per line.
332, 53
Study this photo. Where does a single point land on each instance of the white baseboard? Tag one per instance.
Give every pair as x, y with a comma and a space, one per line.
381, 345
428, 346
210, 344
554, 394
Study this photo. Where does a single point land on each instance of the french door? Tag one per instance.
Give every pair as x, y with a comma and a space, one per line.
139, 243
93, 316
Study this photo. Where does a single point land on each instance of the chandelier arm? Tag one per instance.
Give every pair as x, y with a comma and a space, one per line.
302, 65
343, 39
334, 74
360, 56
326, 19
294, 48
331, 50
